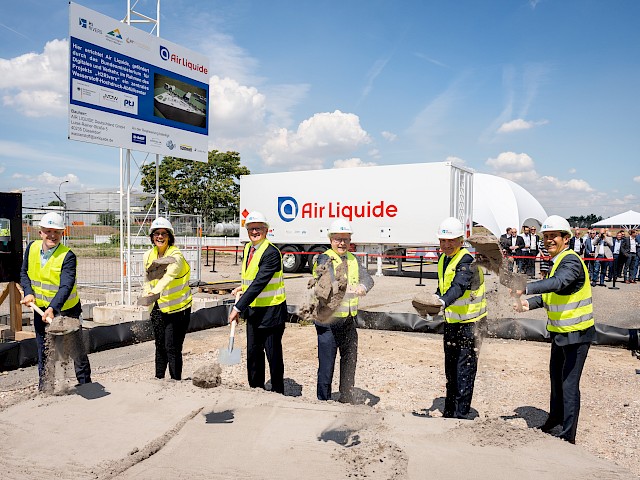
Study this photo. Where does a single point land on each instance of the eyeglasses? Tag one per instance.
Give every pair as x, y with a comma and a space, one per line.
340, 240
160, 234
255, 229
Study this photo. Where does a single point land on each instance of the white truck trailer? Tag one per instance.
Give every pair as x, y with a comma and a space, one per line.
390, 208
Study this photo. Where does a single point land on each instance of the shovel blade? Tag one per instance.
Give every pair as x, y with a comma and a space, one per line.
229, 357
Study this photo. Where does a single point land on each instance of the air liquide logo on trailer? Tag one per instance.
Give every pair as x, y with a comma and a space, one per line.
287, 208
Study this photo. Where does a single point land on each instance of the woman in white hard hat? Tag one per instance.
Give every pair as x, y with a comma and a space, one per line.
461, 292
339, 333
171, 296
566, 295
48, 278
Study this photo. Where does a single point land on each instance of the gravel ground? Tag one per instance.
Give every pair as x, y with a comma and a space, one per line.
403, 372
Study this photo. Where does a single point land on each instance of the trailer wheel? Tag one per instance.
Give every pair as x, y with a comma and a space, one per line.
291, 261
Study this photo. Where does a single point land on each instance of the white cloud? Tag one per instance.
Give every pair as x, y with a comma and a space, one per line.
519, 124
321, 136
49, 179
35, 84
352, 162
235, 108
574, 184
511, 162
391, 137
572, 170
2, 169
565, 197
636, 179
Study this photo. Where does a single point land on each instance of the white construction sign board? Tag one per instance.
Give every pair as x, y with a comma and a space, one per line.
133, 90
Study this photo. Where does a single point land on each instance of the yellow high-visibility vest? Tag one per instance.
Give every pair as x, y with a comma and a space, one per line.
349, 304
569, 313
176, 296
273, 294
45, 281
472, 305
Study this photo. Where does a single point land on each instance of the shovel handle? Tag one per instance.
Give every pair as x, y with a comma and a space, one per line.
38, 310
232, 334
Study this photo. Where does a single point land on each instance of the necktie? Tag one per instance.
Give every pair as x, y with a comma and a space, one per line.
251, 250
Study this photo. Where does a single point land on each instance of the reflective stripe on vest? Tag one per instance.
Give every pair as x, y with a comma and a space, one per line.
176, 296
45, 280
569, 313
349, 304
273, 293
472, 305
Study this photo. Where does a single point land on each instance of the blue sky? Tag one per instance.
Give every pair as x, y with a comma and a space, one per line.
543, 92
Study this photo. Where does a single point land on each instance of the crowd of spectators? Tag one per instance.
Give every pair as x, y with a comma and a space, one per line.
609, 255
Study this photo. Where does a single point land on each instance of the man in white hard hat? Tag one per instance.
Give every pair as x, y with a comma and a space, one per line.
566, 295
461, 291
340, 333
262, 304
48, 278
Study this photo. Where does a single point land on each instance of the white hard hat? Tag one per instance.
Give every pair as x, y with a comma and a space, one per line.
161, 222
256, 217
450, 228
556, 223
52, 220
339, 226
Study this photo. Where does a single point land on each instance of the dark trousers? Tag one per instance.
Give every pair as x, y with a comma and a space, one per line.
261, 342
70, 344
341, 336
618, 262
460, 367
629, 270
602, 266
169, 330
565, 369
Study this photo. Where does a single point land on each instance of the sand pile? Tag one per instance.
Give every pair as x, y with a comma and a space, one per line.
208, 376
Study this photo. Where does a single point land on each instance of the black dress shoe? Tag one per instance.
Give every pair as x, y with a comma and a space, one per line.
547, 426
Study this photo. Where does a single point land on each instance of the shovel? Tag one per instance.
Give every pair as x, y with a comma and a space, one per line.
59, 325
230, 355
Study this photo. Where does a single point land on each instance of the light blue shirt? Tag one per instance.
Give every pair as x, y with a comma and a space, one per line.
45, 256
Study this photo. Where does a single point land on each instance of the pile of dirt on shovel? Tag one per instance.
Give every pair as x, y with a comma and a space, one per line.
325, 293
489, 255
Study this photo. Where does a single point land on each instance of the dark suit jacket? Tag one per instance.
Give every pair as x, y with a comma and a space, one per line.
588, 248
461, 282
504, 241
67, 280
568, 278
263, 317
535, 241
572, 243
625, 248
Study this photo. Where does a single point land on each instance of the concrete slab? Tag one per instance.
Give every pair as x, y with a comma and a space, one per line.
113, 314
160, 429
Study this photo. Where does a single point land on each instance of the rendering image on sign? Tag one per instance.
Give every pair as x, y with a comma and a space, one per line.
179, 101
129, 89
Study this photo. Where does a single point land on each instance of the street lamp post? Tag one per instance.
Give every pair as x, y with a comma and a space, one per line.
59, 197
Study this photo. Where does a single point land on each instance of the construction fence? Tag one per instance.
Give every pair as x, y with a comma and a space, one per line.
95, 239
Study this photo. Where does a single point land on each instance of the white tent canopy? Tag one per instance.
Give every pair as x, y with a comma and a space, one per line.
628, 219
499, 203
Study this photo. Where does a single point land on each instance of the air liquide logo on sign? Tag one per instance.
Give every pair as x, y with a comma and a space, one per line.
185, 62
288, 209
